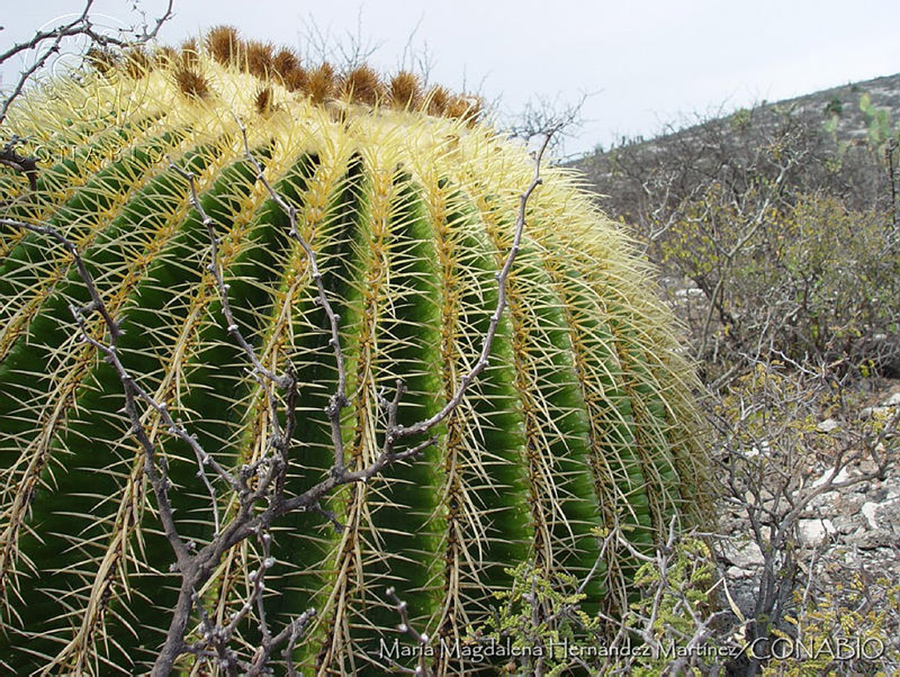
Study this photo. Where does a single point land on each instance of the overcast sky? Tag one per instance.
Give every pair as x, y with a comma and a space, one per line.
640, 64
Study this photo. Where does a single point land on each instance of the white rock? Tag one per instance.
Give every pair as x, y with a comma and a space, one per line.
735, 572
814, 531
689, 292
755, 451
871, 539
745, 556
892, 401
828, 425
843, 475
872, 412
870, 509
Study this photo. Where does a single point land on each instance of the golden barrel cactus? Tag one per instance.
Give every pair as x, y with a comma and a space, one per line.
582, 422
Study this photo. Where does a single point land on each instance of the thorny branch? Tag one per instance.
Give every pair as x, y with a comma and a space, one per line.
405, 627
396, 432
758, 220
645, 619
338, 400
542, 114
258, 486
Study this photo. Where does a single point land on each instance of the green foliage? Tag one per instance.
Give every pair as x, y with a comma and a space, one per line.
834, 108
691, 572
671, 629
775, 223
780, 252
741, 120
810, 279
848, 630
540, 618
885, 138
674, 603
878, 122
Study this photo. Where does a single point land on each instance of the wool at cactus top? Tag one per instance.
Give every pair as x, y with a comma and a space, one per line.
582, 423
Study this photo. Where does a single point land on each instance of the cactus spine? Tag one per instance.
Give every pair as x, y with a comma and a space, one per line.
582, 420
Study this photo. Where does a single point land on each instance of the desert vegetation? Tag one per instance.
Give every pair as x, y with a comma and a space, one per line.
775, 232
309, 369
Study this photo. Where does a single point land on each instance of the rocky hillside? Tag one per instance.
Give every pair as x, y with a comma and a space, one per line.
777, 232
840, 104
826, 122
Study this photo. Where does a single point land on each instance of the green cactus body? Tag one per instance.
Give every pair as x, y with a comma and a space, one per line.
582, 420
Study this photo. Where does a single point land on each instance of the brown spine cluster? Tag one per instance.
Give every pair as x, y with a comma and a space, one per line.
165, 57
437, 100
360, 85
263, 100
405, 91
137, 63
190, 54
322, 83
468, 108
285, 62
223, 43
191, 83
296, 80
258, 58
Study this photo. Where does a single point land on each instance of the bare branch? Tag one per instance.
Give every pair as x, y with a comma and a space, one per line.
158, 479
407, 628
50, 42
338, 400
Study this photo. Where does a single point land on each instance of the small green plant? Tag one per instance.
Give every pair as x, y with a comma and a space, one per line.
741, 120
834, 108
676, 608
850, 629
884, 136
880, 128
541, 621
810, 278
540, 624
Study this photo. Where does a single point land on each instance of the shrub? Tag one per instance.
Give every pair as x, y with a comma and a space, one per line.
849, 630
813, 280
784, 234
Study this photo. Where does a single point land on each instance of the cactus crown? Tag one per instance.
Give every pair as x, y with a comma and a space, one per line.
194, 68
583, 422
